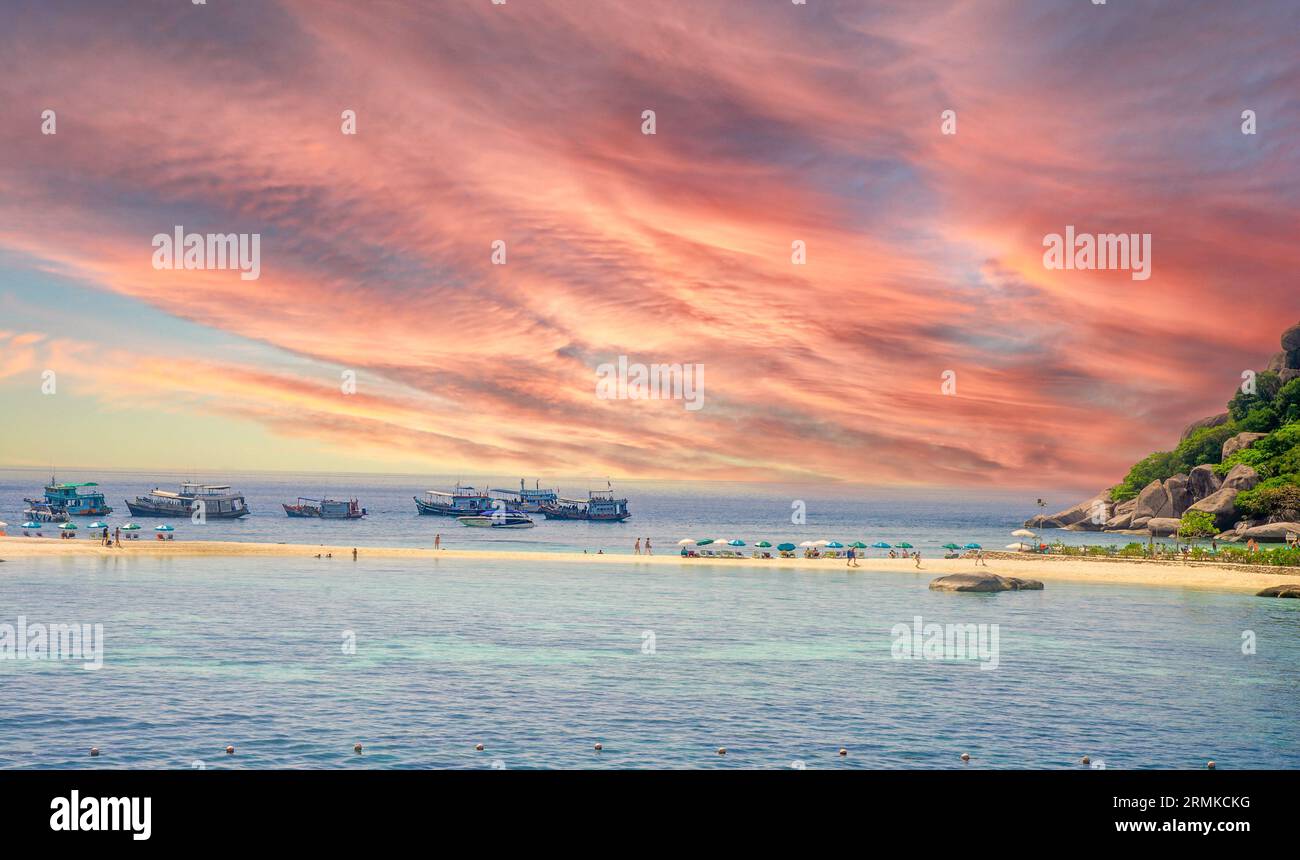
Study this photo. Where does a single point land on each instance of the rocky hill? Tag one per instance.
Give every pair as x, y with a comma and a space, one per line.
1237, 473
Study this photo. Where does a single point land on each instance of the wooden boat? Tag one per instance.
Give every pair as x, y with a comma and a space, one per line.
218, 502
67, 500
600, 506
461, 501
325, 509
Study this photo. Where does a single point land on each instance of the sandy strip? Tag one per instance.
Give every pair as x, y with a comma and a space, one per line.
1046, 568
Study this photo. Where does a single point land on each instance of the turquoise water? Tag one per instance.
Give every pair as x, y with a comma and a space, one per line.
540, 661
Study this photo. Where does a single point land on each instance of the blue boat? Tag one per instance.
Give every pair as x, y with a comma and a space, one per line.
461, 501
530, 501
67, 500
600, 506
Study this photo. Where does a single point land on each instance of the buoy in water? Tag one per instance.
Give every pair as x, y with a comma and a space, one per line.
478, 747
965, 756
230, 750
843, 751
94, 750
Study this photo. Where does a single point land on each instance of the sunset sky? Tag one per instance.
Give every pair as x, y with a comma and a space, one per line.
522, 122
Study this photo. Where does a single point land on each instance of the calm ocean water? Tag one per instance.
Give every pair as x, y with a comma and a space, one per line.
539, 661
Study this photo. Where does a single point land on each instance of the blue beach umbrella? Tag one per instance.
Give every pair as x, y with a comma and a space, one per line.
69, 527
164, 528
880, 544
857, 544
130, 527
972, 546
785, 547
763, 544
735, 543
97, 525
904, 545
835, 545
704, 541
31, 525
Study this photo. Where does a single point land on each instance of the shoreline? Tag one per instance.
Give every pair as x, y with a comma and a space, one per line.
1176, 574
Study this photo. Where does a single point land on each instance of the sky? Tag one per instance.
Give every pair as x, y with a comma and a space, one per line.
524, 123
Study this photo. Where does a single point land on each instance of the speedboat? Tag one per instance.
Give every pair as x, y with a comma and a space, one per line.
498, 520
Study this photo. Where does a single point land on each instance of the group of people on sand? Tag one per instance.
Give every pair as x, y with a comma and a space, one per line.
637, 547
115, 540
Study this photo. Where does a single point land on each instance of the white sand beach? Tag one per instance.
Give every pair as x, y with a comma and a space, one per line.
1205, 575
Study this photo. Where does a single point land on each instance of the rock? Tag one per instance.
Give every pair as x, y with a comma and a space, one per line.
1291, 338
1220, 504
1277, 362
1139, 523
1202, 482
1078, 513
1269, 532
1240, 478
1153, 501
983, 582
1240, 441
1119, 522
1180, 497
1212, 421
1290, 589
1163, 526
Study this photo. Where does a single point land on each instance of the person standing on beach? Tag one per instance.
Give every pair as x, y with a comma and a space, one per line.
917, 555
853, 558
637, 550
104, 537
647, 547
354, 553
117, 535
437, 541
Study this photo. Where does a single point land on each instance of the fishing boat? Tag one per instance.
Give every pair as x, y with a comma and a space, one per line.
217, 502
599, 506
499, 519
66, 500
530, 501
461, 501
326, 509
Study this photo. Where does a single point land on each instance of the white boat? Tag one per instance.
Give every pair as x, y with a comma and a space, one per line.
498, 520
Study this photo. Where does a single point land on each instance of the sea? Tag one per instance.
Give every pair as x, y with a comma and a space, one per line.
293, 661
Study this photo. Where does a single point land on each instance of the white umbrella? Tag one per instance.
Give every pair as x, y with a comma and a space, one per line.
685, 541
821, 543
1019, 547
808, 543
2, 525
1023, 533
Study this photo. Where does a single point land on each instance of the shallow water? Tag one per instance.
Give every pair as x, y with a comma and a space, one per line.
540, 661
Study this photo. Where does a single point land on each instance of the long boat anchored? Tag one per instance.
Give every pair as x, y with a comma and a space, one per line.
325, 509
217, 500
461, 501
530, 501
599, 506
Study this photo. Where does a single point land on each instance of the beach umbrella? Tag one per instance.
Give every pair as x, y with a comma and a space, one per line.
857, 544
822, 542
951, 546
2, 525
130, 527
835, 545
704, 541
972, 546
71, 527
904, 545
763, 544
785, 547
1023, 533
164, 528
880, 544
32, 525
1020, 547
808, 543
685, 541
736, 542
97, 525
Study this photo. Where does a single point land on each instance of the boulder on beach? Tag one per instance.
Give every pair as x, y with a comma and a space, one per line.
1119, 522
1269, 532
1240, 441
1153, 501
1163, 526
1212, 421
1202, 482
1241, 478
983, 582
1099, 504
1221, 504
1180, 496
1289, 589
